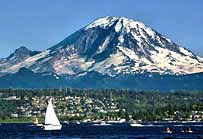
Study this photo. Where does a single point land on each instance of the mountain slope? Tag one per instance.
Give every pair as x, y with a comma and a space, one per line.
25, 78
113, 46
20, 55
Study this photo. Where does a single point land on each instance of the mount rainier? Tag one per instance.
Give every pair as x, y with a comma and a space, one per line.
112, 51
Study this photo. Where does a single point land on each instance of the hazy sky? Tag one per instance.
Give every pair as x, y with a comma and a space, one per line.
39, 24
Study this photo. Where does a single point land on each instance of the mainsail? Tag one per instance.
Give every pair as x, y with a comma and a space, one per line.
50, 117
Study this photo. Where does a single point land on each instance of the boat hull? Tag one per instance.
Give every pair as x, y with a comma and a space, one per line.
52, 127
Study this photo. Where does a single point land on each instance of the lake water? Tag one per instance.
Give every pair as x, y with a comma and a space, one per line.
96, 131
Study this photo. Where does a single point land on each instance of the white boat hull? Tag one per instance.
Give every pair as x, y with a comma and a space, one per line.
39, 125
136, 125
52, 127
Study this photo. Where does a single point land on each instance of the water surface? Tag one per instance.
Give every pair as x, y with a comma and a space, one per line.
96, 131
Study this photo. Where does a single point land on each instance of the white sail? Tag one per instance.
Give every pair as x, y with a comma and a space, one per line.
51, 119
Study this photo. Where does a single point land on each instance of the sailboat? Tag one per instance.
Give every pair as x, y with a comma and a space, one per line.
51, 120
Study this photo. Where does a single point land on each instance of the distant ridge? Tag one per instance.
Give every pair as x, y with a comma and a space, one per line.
25, 78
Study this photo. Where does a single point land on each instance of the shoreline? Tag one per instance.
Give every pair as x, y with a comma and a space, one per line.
29, 121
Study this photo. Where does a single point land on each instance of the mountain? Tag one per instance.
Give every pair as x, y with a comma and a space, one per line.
20, 55
107, 50
113, 46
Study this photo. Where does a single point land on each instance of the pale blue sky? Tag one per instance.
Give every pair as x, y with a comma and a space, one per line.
39, 24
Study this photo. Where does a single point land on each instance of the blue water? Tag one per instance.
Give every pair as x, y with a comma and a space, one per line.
90, 131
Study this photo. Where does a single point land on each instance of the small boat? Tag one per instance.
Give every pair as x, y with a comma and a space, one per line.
66, 122
77, 122
136, 125
36, 122
189, 130
168, 131
102, 123
51, 120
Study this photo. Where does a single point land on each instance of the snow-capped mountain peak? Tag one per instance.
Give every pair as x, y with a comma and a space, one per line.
121, 23
113, 46
102, 22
